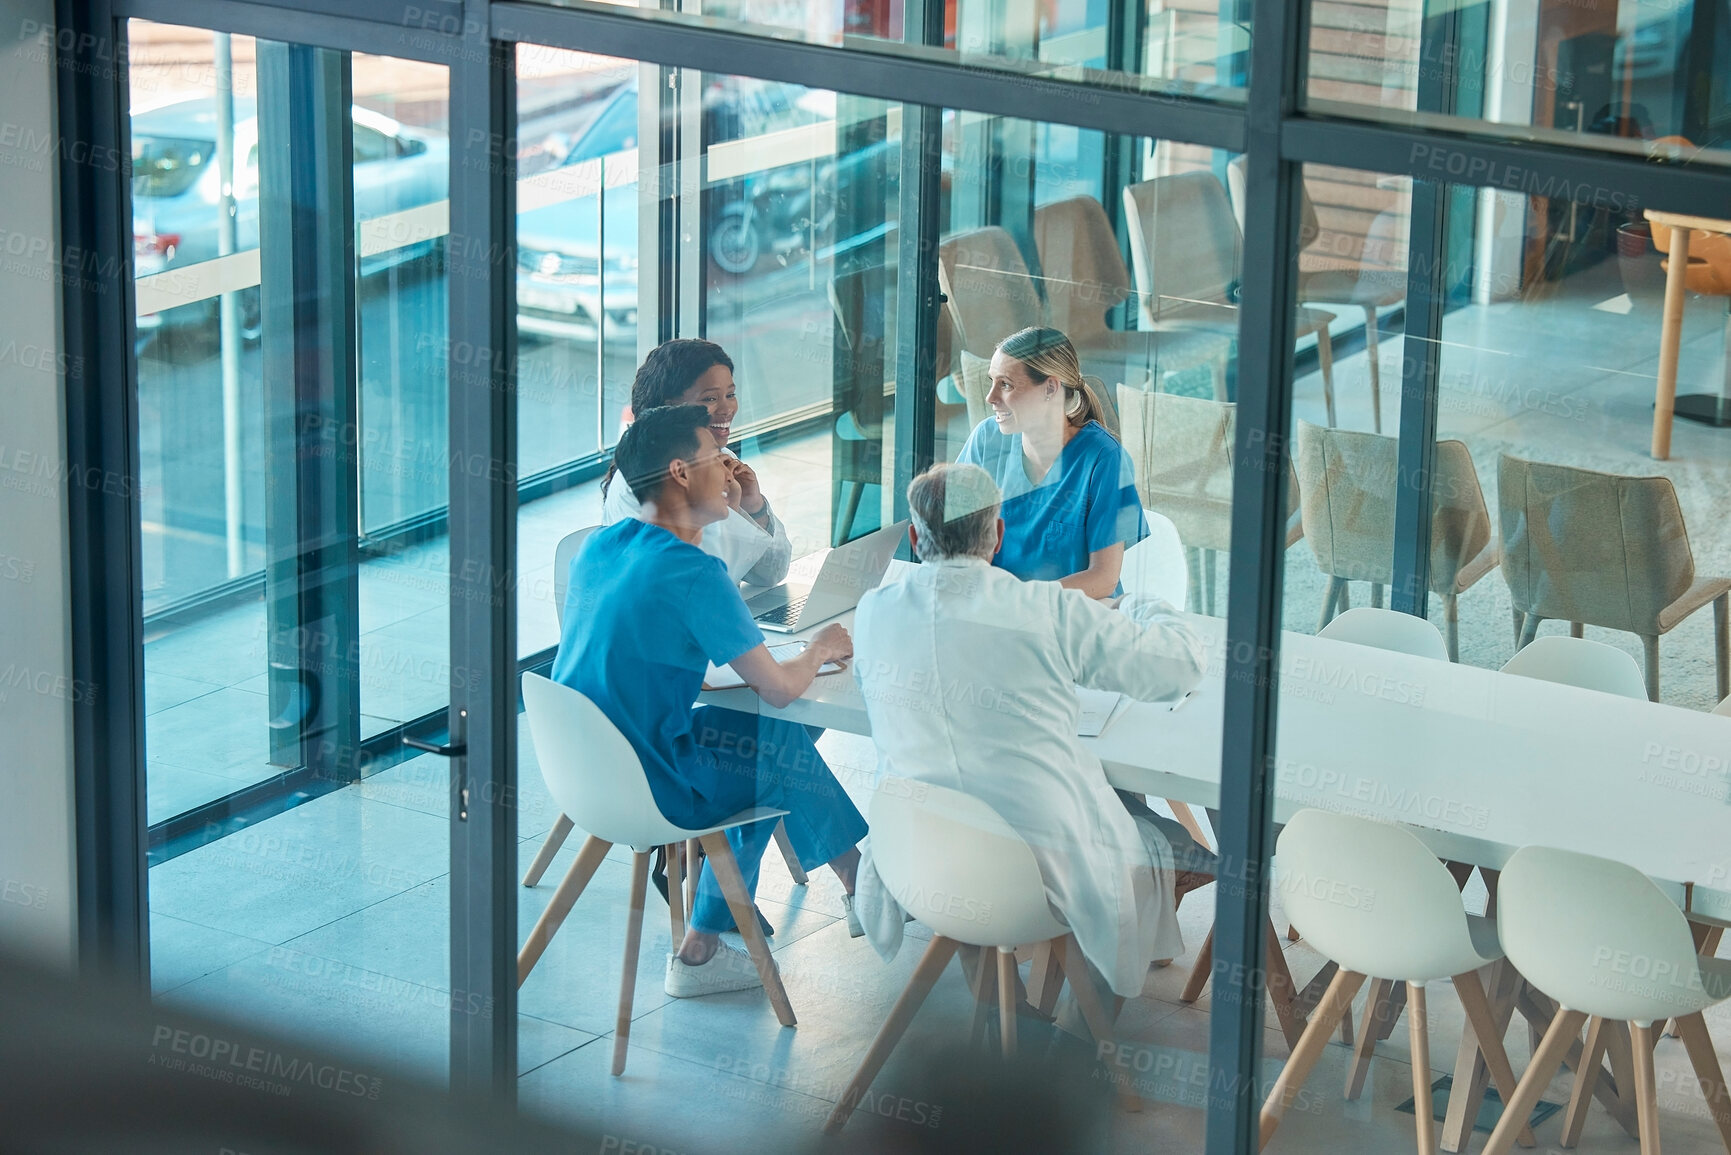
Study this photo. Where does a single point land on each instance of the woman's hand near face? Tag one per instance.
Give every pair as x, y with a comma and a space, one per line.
751, 501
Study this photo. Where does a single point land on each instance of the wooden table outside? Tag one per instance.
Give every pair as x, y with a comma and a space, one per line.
1671, 330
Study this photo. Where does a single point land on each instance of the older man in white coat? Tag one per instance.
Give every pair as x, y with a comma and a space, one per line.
969, 674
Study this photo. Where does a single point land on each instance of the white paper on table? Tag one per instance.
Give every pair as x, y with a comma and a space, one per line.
727, 678
1097, 708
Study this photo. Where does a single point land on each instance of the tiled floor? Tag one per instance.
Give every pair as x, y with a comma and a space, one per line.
330, 921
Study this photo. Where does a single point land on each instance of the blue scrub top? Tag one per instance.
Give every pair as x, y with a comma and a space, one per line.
1086, 501
644, 615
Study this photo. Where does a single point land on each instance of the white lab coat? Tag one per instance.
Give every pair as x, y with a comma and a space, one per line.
750, 553
1002, 656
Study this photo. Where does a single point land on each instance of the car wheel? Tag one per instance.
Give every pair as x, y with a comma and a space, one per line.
733, 243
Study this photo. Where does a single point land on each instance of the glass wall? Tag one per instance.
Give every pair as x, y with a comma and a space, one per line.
1572, 576
295, 586
1644, 76
1169, 47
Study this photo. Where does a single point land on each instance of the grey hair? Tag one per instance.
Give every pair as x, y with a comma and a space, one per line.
955, 510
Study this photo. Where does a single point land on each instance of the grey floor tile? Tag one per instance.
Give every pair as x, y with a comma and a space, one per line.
225, 732
171, 790
226, 647
163, 691
303, 868
182, 951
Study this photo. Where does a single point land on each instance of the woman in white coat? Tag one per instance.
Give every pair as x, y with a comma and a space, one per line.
968, 674
752, 542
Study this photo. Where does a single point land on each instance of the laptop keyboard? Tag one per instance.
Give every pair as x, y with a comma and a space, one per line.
784, 614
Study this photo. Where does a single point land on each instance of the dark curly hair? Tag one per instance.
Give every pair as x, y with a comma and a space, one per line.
671, 368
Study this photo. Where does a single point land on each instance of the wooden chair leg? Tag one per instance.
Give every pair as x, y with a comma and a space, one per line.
1187, 819
1375, 369
787, 854
1193, 592
985, 984
1722, 643
1376, 595
1282, 991
1325, 362
1376, 1009
1692, 1029
1477, 1005
1529, 630
1452, 626
1199, 971
676, 892
1577, 630
693, 872
1210, 572
1075, 967
1310, 1045
588, 861
562, 827
1045, 980
1546, 1060
1646, 1096
1330, 598
1581, 1093
1418, 1025
932, 964
726, 869
1650, 643
1007, 1002
628, 972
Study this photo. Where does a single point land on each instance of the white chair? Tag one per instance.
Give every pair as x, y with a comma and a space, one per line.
1603, 941
562, 555
594, 775
562, 826
928, 841
1578, 662
1723, 708
1156, 566
1373, 898
1388, 630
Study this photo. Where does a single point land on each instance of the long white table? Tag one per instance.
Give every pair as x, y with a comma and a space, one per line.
1478, 763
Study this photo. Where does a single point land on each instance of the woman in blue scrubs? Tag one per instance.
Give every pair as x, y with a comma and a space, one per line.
1070, 505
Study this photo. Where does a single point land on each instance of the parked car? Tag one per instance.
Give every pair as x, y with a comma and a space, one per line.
573, 281
176, 194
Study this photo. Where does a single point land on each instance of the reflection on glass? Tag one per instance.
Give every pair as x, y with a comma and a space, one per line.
1573, 575
1198, 48
1644, 76
294, 866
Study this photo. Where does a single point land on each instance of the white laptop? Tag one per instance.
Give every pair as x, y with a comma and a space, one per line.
848, 572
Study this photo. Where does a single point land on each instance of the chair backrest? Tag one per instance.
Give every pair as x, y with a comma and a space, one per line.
975, 379
1584, 546
1723, 709
1387, 630
1598, 936
1184, 243
591, 771
562, 555
1181, 448
1084, 271
1155, 565
1578, 662
953, 861
1370, 896
1346, 483
1309, 228
989, 288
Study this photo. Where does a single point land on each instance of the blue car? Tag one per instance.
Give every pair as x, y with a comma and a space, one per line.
569, 284
176, 196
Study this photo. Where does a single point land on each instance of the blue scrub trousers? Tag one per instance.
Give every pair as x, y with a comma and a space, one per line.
748, 760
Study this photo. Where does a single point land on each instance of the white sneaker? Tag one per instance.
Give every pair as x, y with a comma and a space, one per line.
728, 969
854, 929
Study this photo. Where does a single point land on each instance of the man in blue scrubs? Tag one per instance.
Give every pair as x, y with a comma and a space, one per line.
646, 612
